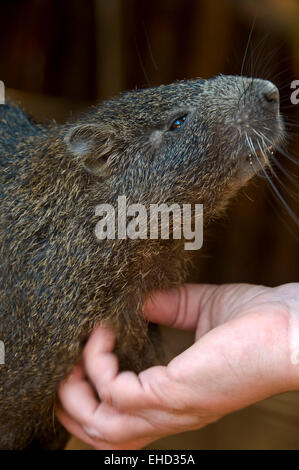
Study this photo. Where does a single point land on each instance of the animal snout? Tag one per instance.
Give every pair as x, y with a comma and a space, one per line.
269, 96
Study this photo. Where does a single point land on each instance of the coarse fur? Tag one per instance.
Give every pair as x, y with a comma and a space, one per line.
57, 279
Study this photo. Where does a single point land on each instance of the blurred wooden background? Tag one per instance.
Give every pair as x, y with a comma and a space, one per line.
57, 57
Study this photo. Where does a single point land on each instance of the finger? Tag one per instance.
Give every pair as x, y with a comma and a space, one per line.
77, 396
100, 364
237, 363
119, 390
77, 430
83, 410
87, 435
129, 392
101, 367
101, 340
178, 307
73, 427
111, 425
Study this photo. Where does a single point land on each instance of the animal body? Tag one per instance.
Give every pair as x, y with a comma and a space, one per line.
189, 142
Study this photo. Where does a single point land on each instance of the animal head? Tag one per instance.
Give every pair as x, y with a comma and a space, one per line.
189, 141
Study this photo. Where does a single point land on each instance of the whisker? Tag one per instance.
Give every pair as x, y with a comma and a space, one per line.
247, 46
285, 223
295, 124
259, 47
150, 50
284, 171
288, 190
273, 186
142, 65
280, 149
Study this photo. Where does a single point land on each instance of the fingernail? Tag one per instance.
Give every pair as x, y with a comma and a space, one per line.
91, 432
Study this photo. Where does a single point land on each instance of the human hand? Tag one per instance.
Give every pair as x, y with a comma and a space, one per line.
246, 349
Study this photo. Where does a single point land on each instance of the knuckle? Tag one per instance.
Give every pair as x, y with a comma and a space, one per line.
105, 395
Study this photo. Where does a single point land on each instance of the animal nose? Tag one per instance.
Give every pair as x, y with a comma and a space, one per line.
270, 96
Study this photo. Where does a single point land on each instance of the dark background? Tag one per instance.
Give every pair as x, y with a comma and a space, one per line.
59, 56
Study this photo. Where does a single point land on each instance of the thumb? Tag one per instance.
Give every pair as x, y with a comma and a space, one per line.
180, 306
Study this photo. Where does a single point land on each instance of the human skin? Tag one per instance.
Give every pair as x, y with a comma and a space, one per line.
245, 350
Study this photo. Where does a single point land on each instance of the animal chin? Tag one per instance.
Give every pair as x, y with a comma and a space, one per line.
253, 163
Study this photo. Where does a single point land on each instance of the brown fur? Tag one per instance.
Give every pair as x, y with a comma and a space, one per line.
57, 280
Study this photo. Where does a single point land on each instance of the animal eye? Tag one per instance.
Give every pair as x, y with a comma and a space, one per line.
178, 123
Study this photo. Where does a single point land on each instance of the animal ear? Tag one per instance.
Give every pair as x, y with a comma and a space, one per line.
94, 146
